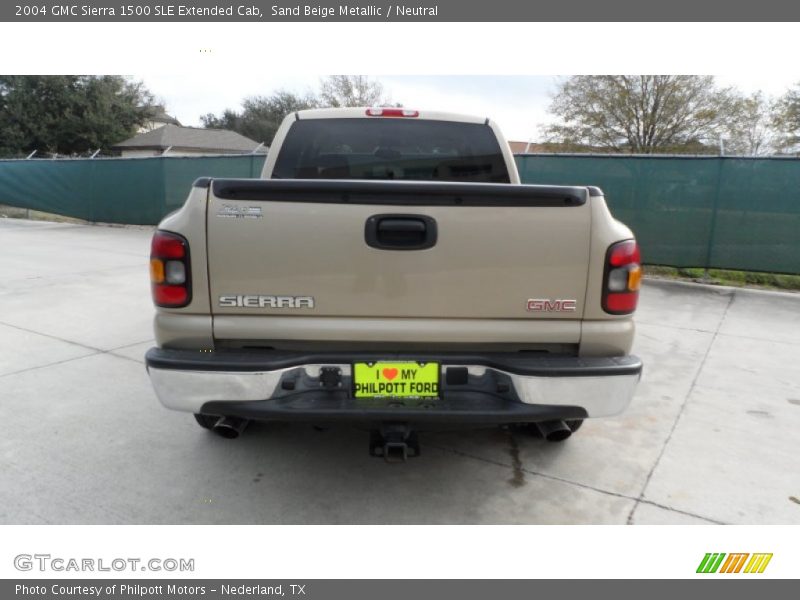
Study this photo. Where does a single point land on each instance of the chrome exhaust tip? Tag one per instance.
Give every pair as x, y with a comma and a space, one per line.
230, 427
553, 431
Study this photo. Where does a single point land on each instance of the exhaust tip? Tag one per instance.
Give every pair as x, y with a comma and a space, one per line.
553, 431
230, 427
558, 436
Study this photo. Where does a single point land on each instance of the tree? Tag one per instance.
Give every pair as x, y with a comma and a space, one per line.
640, 113
786, 119
352, 90
260, 116
748, 130
69, 114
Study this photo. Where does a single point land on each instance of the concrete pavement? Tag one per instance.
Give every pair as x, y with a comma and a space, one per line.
711, 436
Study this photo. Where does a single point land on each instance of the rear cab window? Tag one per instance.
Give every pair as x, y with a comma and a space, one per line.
391, 148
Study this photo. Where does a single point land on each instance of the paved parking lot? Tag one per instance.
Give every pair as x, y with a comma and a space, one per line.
711, 437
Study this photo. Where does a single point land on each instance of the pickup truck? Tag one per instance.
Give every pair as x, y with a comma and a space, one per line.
388, 268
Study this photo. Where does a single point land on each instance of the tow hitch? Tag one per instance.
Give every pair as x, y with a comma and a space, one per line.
394, 442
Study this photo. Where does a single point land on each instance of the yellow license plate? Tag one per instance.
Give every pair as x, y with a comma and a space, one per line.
396, 380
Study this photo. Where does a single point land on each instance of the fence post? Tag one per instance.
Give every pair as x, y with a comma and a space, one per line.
92, 197
162, 164
713, 225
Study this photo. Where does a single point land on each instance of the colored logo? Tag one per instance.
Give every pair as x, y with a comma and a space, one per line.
741, 562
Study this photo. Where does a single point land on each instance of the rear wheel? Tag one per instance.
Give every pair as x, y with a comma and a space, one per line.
205, 421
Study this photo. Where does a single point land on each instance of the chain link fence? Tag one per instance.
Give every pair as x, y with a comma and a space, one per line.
712, 212
135, 191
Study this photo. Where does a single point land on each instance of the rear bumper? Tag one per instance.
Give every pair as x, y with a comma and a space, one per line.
500, 388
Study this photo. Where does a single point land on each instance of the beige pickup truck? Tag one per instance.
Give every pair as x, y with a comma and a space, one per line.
389, 268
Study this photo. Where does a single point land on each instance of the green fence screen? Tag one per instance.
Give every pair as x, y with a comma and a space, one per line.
722, 212
114, 190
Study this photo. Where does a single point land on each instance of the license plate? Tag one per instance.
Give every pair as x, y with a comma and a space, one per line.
396, 380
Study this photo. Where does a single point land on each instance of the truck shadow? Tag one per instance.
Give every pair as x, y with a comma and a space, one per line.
292, 473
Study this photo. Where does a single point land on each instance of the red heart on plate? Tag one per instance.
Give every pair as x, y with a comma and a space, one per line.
390, 373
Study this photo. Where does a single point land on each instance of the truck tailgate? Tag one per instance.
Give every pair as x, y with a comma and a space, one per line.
361, 249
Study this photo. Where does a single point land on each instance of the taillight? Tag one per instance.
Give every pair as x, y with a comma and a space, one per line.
391, 112
169, 270
623, 278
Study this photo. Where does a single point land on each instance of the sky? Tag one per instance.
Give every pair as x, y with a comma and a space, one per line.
517, 103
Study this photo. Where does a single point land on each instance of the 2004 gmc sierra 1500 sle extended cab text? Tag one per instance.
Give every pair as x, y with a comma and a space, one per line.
390, 269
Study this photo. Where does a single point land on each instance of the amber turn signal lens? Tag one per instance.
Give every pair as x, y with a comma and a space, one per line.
635, 278
156, 270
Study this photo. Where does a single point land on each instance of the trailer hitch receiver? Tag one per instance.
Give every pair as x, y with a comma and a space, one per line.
394, 442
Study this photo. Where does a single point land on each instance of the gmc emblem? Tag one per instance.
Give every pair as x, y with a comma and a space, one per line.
547, 305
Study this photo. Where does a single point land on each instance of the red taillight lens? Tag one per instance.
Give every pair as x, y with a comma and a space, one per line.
170, 295
624, 253
169, 270
622, 303
168, 245
622, 279
391, 112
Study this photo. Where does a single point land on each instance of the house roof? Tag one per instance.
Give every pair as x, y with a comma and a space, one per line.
523, 147
160, 116
554, 148
194, 138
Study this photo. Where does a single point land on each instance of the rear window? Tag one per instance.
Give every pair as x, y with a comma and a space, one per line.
399, 148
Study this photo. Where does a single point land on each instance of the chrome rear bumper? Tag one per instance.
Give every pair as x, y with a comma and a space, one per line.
499, 388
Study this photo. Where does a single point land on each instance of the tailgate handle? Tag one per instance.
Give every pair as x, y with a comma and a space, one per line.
400, 232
